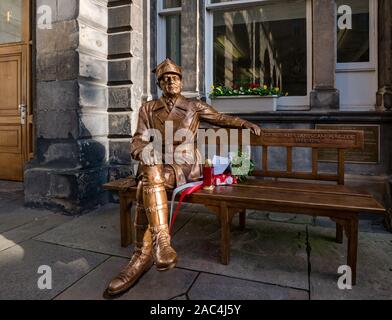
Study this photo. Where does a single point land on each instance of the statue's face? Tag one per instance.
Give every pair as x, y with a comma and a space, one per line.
170, 84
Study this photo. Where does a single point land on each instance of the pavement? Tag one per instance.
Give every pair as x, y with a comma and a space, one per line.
277, 257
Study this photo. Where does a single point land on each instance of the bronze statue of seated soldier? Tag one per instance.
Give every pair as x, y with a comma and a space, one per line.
152, 235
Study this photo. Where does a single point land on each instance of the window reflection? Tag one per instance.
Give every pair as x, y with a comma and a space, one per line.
10, 21
171, 4
262, 45
173, 36
353, 44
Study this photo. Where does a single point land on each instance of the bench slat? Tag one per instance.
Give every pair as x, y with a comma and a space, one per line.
120, 185
289, 159
265, 159
298, 186
296, 175
315, 157
341, 159
291, 194
289, 198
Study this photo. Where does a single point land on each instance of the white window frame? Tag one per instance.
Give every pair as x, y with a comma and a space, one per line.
373, 48
285, 103
161, 28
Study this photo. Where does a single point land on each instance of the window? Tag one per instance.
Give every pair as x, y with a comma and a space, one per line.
356, 71
261, 42
169, 30
10, 21
168, 4
353, 31
356, 34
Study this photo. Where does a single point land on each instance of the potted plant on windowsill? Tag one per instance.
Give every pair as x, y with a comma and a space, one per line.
245, 99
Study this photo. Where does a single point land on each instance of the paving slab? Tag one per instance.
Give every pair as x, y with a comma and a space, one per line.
372, 223
93, 285
31, 229
10, 186
98, 231
290, 218
153, 285
19, 216
196, 207
11, 193
9, 205
184, 217
19, 269
181, 298
190, 207
266, 251
374, 268
213, 287
280, 217
9, 197
257, 215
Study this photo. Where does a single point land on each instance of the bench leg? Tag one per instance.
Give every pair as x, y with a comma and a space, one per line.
339, 233
242, 219
125, 221
225, 234
352, 252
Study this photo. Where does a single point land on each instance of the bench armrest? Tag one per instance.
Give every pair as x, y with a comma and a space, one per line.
121, 185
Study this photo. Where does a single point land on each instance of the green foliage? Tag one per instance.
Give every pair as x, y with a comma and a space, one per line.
251, 89
242, 166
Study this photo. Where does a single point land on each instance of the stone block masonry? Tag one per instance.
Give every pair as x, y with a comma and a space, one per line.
88, 71
125, 85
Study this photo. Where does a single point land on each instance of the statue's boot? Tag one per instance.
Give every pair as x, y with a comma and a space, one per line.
142, 259
155, 203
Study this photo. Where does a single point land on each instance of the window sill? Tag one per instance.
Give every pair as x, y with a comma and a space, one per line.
245, 104
254, 104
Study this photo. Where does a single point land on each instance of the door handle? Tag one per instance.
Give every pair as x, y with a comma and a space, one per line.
23, 113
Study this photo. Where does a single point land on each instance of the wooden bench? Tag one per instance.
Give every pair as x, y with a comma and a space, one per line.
336, 201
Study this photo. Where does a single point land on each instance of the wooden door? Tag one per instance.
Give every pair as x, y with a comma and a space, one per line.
15, 106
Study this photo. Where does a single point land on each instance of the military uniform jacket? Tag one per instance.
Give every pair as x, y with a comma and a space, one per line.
186, 116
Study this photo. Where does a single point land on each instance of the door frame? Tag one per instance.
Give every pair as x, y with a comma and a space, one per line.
24, 48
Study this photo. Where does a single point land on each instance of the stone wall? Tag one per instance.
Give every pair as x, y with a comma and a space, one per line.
125, 81
384, 95
149, 52
84, 98
324, 96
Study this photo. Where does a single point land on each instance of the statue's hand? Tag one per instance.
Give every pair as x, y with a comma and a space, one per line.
255, 129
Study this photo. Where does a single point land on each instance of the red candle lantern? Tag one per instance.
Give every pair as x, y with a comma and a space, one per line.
208, 176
